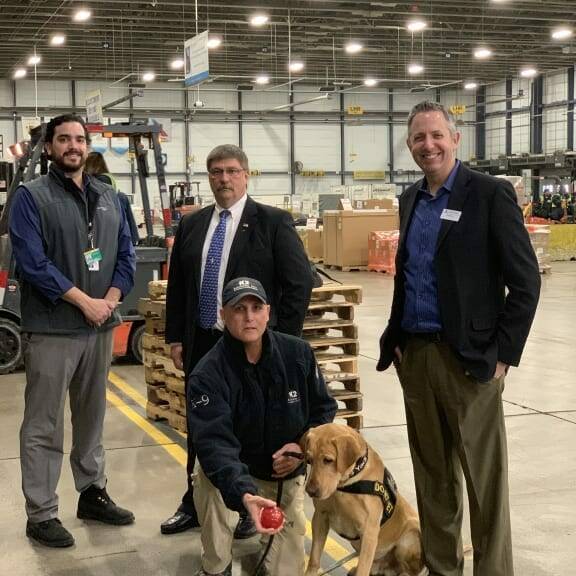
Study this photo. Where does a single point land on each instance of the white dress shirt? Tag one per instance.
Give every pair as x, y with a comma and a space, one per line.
231, 227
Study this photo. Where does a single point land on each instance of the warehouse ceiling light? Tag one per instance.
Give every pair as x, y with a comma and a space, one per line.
259, 19
177, 64
34, 60
416, 25
148, 76
82, 15
470, 86
528, 72
353, 47
57, 40
214, 42
262, 79
482, 53
296, 66
19, 73
415, 69
370, 82
562, 33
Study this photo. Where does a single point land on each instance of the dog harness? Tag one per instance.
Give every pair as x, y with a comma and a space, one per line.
386, 490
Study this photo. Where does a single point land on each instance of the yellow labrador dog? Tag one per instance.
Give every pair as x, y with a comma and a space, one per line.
356, 496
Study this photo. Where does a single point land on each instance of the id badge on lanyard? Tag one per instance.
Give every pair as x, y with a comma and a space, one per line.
93, 256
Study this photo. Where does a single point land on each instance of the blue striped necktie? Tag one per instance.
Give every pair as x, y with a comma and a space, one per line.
209, 290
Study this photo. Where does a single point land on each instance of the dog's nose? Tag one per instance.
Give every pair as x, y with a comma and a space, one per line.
312, 491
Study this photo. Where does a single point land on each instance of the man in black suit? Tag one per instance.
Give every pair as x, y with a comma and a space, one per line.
235, 237
466, 290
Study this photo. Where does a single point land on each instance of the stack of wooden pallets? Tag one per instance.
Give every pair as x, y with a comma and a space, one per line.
329, 328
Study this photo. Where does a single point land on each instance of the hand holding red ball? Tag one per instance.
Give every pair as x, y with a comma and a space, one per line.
272, 517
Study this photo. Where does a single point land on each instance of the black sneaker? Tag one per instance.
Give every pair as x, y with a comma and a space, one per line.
50, 533
245, 527
95, 504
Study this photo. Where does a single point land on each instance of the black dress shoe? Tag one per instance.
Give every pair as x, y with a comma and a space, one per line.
245, 527
95, 504
180, 522
50, 533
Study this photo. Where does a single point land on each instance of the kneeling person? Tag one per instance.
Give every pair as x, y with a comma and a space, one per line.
251, 399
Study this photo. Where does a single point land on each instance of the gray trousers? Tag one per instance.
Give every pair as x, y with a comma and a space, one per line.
55, 365
456, 429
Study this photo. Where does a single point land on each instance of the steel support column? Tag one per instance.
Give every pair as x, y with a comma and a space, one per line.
570, 115
508, 116
391, 134
536, 115
481, 123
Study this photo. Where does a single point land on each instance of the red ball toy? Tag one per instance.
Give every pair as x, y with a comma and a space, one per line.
272, 517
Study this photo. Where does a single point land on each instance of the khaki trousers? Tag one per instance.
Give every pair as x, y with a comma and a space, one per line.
456, 427
286, 556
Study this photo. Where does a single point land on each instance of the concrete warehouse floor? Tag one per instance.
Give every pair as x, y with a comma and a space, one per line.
146, 474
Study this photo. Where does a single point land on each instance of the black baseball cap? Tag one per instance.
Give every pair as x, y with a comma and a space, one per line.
238, 288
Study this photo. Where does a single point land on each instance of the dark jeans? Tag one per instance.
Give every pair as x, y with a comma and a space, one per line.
204, 341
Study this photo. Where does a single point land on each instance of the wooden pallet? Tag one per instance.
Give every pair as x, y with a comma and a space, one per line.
156, 411
349, 346
317, 330
157, 289
175, 384
345, 362
155, 394
353, 419
316, 260
155, 343
351, 293
155, 326
177, 421
338, 381
156, 361
342, 310
177, 403
154, 376
152, 308
381, 268
347, 401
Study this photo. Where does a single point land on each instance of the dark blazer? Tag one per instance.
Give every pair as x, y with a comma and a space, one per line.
480, 257
266, 247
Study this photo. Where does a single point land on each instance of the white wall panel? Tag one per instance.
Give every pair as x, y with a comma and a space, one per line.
317, 146
555, 87
521, 133
402, 158
221, 96
467, 148
7, 132
204, 137
524, 85
267, 146
264, 100
162, 95
554, 130
50, 93
495, 136
405, 101
175, 149
308, 187
332, 102
5, 93
369, 100
496, 97
366, 147
269, 185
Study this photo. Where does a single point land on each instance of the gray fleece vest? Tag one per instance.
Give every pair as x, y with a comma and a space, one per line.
64, 221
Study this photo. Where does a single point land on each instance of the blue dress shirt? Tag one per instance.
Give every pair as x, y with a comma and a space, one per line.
421, 311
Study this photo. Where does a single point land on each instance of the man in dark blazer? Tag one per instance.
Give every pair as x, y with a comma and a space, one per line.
235, 237
466, 290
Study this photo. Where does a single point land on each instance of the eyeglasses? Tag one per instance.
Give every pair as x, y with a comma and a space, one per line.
218, 172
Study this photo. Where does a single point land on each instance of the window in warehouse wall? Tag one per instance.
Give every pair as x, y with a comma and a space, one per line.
554, 129
520, 133
495, 136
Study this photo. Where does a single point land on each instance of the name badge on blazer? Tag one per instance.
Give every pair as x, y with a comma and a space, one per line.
451, 215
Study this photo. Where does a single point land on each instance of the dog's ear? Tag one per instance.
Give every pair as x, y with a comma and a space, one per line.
349, 448
306, 440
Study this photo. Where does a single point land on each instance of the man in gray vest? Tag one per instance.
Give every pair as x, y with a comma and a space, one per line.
75, 261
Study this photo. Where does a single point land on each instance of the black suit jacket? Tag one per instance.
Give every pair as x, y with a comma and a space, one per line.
266, 247
487, 274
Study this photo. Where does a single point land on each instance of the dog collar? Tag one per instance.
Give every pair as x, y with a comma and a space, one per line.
359, 466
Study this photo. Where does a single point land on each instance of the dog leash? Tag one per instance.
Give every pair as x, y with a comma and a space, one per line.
339, 563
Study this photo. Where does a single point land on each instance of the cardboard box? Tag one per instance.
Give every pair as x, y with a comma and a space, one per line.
374, 204
346, 234
313, 243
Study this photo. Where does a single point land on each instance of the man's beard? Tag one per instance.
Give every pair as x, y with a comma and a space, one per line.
60, 161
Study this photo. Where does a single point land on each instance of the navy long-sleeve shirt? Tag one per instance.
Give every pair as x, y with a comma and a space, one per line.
421, 311
38, 269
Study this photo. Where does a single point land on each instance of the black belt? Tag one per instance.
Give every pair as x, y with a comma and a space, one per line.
435, 337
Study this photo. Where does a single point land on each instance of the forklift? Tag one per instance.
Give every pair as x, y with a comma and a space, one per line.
152, 255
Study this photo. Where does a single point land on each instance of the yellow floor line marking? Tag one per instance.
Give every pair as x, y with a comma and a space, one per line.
335, 550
